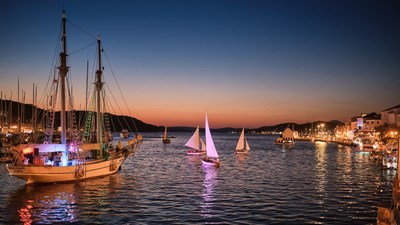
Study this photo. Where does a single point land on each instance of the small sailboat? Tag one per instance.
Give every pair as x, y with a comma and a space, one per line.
124, 134
212, 158
165, 139
195, 142
242, 145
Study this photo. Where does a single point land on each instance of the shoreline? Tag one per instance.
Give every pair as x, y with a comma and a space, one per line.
345, 143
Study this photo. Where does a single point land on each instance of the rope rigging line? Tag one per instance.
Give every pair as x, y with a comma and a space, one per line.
114, 111
92, 76
81, 29
42, 100
123, 98
87, 46
120, 111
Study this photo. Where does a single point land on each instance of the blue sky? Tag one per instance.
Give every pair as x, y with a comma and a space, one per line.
248, 63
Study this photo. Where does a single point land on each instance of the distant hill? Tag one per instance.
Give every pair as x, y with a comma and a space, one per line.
118, 122
330, 126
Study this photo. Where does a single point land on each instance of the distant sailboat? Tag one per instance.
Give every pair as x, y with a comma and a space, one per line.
212, 158
242, 145
194, 143
165, 139
124, 133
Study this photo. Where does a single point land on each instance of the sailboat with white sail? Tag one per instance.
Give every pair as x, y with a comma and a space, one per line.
165, 138
242, 145
212, 158
71, 160
196, 144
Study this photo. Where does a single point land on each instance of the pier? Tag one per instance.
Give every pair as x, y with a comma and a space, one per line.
339, 142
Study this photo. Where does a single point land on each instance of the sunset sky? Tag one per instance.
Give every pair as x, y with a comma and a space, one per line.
247, 63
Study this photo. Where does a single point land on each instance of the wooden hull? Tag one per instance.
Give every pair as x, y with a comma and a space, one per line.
166, 141
79, 171
54, 174
209, 162
241, 151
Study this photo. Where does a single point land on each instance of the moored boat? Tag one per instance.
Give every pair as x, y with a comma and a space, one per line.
389, 161
365, 143
124, 134
71, 160
286, 139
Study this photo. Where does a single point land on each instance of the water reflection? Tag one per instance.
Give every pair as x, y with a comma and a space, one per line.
209, 183
194, 163
55, 203
44, 203
321, 165
241, 160
345, 162
314, 183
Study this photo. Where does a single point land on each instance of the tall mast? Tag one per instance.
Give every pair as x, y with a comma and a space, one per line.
18, 110
11, 112
1, 111
87, 83
63, 70
34, 115
99, 86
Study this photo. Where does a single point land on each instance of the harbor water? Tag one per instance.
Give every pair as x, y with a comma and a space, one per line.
313, 183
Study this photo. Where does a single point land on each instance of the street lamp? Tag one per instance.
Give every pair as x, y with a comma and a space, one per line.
321, 133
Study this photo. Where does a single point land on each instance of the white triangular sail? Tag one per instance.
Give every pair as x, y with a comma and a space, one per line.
203, 145
247, 146
240, 144
194, 141
210, 148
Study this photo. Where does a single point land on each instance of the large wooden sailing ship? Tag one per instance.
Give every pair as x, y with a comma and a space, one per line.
73, 159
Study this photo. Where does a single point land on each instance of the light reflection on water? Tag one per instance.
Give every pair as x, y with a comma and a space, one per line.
314, 183
209, 183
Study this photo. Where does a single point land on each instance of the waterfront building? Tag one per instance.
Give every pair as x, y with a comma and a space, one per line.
372, 120
368, 121
353, 123
362, 124
391, 115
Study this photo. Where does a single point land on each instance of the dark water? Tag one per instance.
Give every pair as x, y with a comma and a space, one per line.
313, 183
